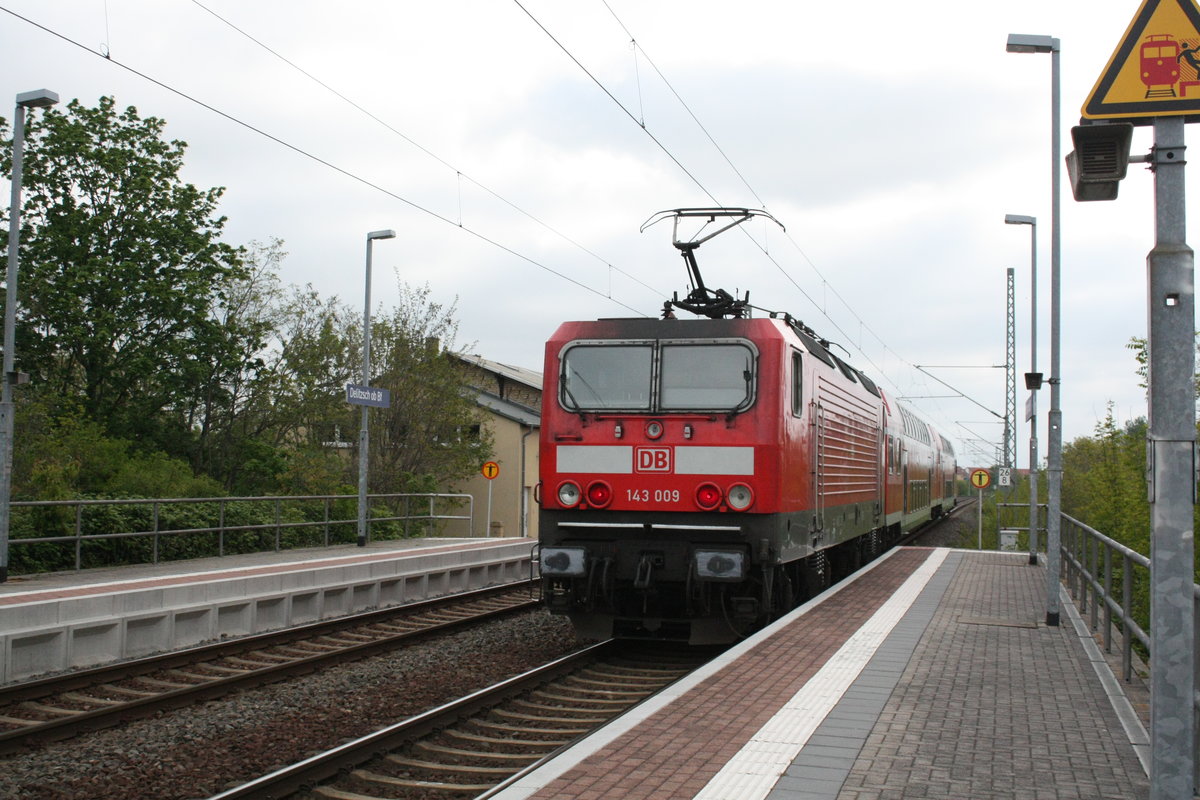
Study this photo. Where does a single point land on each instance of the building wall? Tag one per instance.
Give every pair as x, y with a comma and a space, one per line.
511, 485
515, 450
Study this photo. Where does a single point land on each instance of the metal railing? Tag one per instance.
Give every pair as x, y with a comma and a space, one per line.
1090, 583
294, 521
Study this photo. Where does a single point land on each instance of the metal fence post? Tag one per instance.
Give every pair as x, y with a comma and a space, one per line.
1127, 614
155, 507
326, 526
1107, 599
79, 536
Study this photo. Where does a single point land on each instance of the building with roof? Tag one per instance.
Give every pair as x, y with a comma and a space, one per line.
511, 399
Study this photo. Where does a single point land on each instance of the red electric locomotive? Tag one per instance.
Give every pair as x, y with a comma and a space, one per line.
701, 477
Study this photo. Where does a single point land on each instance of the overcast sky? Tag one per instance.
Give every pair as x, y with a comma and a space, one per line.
516, 149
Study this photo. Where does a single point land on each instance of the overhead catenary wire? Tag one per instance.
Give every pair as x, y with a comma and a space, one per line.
863, 326
460, 175
317, 159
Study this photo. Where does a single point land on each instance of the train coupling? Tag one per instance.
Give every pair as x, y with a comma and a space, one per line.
645, 569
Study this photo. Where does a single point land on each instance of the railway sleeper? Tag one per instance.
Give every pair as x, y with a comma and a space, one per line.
191, 676
268, 660
340, 794
339, 642
434, 766
548, 744
87, 698
585, 713
56, 711
410, 783
546, 694
230, 670
592, 687
112, 688
299, 650
621, 678
20, 723
528, 729
648, 672
516, 758
500, 712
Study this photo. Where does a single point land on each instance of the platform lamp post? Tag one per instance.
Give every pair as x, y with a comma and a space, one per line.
1033, 380
1023, 43
363, 437
39, 98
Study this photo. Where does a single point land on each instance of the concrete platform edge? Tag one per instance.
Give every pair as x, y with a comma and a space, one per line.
61, 633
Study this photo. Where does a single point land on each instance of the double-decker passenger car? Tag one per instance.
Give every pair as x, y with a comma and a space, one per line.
700, 477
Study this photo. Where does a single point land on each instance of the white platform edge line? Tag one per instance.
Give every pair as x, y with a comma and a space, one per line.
536, 779
754, 770
1139, 739
231, 573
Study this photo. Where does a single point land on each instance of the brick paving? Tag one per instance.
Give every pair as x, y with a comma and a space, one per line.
994, 704
969, 696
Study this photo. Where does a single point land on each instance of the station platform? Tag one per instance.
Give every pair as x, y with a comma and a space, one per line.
929, 674
65, 620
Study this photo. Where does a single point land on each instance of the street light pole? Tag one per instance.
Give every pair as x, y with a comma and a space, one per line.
363, 436
40, 98
1031, 408
1022, 43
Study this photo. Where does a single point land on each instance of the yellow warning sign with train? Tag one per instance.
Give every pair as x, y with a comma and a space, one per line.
1155, 70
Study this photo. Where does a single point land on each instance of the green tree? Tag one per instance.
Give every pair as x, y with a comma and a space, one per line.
433, 432
122, 264
1104, 481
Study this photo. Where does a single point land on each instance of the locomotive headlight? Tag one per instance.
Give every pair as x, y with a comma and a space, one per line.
568, 494
564, 562
740, 497
720, 565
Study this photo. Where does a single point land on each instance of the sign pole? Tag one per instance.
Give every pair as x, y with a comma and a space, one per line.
980, 547
487, 532
491, 471
1170, 454
981, 479
1152, 77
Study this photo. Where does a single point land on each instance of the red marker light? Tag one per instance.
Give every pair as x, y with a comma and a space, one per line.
599, 494
708, 496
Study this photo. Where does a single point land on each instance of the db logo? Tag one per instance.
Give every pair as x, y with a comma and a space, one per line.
652, 459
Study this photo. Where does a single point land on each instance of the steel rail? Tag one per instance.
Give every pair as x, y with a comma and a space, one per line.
324, 766
107, 716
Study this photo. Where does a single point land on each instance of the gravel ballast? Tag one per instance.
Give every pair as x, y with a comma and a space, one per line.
199, 751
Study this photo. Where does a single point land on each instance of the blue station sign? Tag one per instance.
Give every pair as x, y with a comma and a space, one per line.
367, 396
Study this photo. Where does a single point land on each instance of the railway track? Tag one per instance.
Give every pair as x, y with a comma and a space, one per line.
930, 530
472, 745
66, 705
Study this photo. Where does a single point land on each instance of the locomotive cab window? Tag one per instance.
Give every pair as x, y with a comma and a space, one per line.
797, 385
607, 377
706, 377
653, 377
